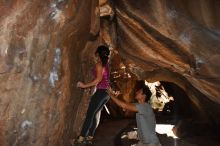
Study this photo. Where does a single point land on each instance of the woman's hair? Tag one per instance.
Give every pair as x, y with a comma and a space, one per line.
103, 53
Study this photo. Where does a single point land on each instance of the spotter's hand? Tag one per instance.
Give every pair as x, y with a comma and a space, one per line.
113, 93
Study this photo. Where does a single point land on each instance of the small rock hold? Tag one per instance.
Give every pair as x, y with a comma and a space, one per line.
23, 111
26, 124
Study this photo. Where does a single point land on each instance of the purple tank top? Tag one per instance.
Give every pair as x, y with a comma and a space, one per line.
104, 83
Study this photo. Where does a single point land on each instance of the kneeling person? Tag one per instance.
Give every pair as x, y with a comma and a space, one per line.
145, 117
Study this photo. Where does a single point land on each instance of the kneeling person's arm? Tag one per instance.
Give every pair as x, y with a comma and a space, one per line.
124, 105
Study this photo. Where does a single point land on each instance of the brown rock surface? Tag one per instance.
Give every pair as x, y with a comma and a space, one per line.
175, 41
41, 45
46, 47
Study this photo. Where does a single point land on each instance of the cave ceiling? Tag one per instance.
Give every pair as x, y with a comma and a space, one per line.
164, 40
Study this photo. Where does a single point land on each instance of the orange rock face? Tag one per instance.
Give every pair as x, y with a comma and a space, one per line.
175, 41
46, 47
41, 53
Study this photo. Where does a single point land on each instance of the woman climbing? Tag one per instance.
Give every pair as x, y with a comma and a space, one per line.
98, 99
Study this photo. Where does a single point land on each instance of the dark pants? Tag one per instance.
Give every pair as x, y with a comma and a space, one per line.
98, 100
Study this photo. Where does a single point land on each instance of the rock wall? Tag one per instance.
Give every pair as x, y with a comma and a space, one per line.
46, 47
175, 41
41, 52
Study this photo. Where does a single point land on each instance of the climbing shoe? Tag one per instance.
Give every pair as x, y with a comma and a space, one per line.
79, 141
89, 140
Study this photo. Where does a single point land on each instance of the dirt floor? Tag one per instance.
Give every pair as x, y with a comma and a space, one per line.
108, 134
